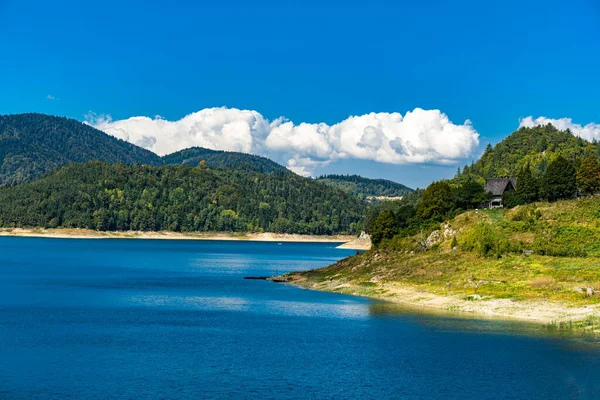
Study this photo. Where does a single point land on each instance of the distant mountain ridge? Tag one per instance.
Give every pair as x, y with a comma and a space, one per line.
363, 188
32, 145
223, 159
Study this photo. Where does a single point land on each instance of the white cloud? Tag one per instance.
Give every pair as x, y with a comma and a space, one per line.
421, 136
589, 132
50, 97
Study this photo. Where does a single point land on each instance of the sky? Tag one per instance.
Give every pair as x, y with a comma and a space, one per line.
407, 91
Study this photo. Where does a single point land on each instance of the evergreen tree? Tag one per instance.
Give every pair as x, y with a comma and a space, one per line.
560, 180
454, 243
527, 186
588, 175
437, 201
384, 227
470, 194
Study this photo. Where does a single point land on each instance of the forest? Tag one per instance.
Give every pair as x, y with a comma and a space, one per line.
32, 145
364, 188
535, 147
105, 196
223, 159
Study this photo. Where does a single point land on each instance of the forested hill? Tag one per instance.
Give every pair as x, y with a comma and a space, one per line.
535, 146
223, 159
34, 144
103, 196
362, 187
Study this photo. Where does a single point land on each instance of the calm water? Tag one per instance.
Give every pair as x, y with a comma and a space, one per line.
156, 319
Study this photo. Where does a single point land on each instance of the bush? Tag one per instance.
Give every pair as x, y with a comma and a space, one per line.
563, 241
485, 241
512, 199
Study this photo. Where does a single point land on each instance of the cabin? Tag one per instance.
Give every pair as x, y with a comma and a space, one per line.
496, 188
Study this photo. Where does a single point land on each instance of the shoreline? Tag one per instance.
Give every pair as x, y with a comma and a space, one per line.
561, 315
346, 241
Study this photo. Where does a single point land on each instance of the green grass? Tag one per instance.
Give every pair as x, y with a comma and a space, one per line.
565, 237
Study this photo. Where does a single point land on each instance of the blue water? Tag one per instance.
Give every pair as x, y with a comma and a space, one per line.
123, 319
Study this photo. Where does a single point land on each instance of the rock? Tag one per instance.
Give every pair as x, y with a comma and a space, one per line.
448, 232
589, 291
438, 235
578, 289
433, 238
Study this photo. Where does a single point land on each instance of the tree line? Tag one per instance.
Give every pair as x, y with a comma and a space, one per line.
562, 179
107, 197
423, 209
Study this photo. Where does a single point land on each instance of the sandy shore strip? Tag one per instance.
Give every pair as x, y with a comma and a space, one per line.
560, 314
258, 237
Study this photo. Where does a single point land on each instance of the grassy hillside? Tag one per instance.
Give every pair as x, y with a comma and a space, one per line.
34, 144
103, 196
536, 146
363, 188
223, 159
478, 257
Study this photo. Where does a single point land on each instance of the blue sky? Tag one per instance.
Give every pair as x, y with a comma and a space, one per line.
311, 61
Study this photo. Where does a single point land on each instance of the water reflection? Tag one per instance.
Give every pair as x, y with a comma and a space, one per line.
189, 302
449, 321
347, 310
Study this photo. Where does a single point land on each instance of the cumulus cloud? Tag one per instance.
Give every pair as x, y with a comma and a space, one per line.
50, 97
420, 136
589, 132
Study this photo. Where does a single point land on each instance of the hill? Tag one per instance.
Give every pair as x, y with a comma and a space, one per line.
103, 196
536, 146
32, 145
223, 159
364, 188
475, 263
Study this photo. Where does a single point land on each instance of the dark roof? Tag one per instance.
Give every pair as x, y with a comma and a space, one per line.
498, 186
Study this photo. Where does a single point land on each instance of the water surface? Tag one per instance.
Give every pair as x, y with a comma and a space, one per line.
158, 319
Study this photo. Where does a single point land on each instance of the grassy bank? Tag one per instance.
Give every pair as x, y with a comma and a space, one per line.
475, 263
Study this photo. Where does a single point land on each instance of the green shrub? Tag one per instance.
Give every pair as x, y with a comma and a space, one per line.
484, 240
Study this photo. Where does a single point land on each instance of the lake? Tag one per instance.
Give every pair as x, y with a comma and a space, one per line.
171, 319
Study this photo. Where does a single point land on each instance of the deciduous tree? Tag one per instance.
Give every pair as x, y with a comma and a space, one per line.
384, 227
588, 175
437, 201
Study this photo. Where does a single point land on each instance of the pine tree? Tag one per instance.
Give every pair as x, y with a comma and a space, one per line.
527, 186
588, 175
560, 180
